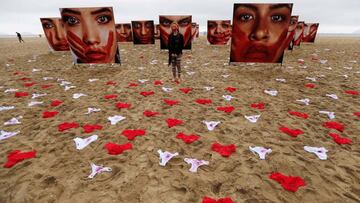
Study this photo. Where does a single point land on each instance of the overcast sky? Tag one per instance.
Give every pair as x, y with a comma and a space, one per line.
334, 16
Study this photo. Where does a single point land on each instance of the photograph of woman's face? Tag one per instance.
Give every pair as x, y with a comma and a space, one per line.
259, 31
157, 31
143, 32
219, 31
291, 32
310, 30
184, 28
91, 34
193, 31
123, 32
299, 32
55, 34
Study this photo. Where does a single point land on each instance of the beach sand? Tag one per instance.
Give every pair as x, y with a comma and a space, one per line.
59, 171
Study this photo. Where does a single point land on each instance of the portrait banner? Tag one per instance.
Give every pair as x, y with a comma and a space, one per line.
299, 33
218, 31
91, 34
310, 31
123, 32
184, 23
55, 34
292, 30
157, 31
193, 31
143, 32
259, 32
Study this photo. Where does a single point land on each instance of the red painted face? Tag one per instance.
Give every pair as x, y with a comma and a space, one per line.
299, 32
259, 31
123, 32
55, 34
310, 31
219, 31
291, 31
91, 34
184, 23
143, 32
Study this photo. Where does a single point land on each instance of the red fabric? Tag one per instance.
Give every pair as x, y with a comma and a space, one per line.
25, 79
309, 85
110, 83
21, 94
110, 96
290, 183
340, 140
145, 94
148, 113
173, 122
133, 85
131, 134
357, 114
224, 150
352, 92
334, 125
56, 103
226, 109
46, 86
171, 102
17, 156
299, 114
65, 126
203, 101
158, 82
291, 132
115, 149
230, 89
186, 90
221, 200
258, 106
50, 114
188, 139
121, 105
29, 84
90, 128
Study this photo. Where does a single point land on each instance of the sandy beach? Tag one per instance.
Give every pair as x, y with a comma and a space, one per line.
59, 171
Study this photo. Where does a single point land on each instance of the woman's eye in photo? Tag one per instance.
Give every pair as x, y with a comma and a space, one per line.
246, 17
277, 18
166, 23
71, 20
103, 19
48, 25
184, 23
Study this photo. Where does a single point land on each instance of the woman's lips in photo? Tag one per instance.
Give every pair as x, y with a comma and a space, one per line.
96, 55
145, 40
257, 52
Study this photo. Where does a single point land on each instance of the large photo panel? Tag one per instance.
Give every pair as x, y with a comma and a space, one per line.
143, 31
91, 34
184, 22
291, 33
310, 31
218, 31
55, 34
299, 33
259, 32
157, 31
123, 32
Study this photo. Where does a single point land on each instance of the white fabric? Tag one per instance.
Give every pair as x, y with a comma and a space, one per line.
330, 114
5, 108
195, 164
305, 101
333, 96
69, 87
115, 119
98, 169
78, 95
211, 124
260, 151
48, 78
11, 90
13, 121
311, 78
167, 89
5, 135
81, 143
228, 97
208, 88
142, 81
92, 110
280, 80
165, 157
320, 152
34, 96
271, 92
33, 103
253, 119
93, 79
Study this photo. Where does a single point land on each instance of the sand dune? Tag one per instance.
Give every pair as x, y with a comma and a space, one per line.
59, 171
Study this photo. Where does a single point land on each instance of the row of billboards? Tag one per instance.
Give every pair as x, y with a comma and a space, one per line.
259, 32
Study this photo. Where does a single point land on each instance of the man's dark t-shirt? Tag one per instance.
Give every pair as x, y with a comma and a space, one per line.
176, 43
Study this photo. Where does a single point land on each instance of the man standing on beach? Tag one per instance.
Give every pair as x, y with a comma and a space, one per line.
175, 45
19, 37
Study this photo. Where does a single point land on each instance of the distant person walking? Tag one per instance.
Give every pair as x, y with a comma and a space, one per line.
19, 37
175, 45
